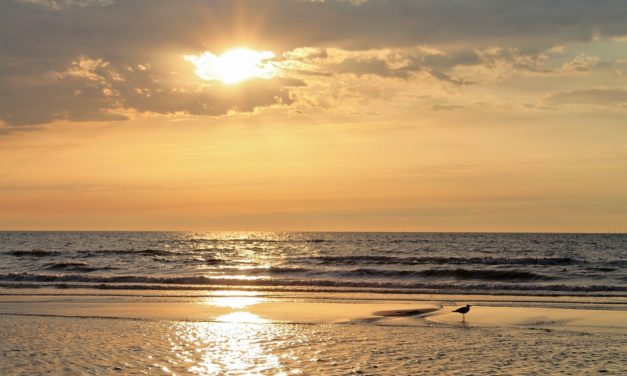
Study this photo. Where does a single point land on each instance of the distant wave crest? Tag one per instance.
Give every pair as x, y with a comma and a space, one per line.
354, 260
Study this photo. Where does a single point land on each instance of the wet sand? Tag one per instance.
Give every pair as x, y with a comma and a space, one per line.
248, 334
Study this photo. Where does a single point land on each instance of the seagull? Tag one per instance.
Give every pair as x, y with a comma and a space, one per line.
463, 311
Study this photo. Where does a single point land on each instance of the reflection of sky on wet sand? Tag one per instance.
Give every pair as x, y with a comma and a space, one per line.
240, 343
235, 302
241, 318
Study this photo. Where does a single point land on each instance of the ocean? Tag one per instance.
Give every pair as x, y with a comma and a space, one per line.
398, 263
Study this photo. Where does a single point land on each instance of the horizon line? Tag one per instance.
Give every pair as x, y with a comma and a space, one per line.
621, 232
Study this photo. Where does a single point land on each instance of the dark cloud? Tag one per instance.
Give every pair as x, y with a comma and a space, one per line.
602, 97
525, 61
369, 66
448, 78
142, 25
404, 64
446, 107
95, 90
41, 39
58, 4
528, 25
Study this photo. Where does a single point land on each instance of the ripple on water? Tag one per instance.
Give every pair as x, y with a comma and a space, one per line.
35, 345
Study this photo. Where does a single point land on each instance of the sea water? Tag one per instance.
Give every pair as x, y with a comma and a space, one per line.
473, 263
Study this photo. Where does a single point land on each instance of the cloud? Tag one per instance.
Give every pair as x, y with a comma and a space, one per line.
581, 63
528, 25
58, 4
77, 95
97, 90
372, 66
446, 107
211, 101
601, 97
42, 41
385, 63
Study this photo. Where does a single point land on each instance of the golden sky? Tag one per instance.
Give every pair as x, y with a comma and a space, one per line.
403, 115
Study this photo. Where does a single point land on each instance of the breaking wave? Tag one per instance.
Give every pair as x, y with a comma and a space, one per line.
200, 282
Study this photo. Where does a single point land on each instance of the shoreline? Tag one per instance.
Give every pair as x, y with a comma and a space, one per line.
249, 306
324, 294
305, 289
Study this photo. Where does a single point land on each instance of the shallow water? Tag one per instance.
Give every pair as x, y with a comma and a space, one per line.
35, 345
558, 264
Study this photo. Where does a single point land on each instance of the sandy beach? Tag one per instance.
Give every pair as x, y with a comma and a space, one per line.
249, 333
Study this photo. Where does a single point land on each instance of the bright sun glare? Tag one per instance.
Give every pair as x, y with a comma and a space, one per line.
234, 65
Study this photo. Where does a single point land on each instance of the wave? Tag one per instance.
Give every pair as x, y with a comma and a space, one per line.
353, 260
601, 269
488, 275
465, 274
200, 282
76, 266
459, 274
273, 270
100, 252
245, 240
140, 252
147, 252
160, 255
190, 261
33, 253
400, 241
622, 263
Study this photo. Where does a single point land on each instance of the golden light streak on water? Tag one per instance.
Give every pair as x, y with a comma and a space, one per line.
241, 343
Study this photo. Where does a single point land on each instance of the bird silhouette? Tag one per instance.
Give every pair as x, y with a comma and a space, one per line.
463, 311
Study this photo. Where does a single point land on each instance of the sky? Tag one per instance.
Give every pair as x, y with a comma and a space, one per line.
313, 115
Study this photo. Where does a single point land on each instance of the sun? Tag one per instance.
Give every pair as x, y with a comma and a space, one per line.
234, 65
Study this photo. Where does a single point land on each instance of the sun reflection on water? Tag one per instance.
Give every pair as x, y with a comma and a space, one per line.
235, 299
236, 302
239, 343
241, 318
